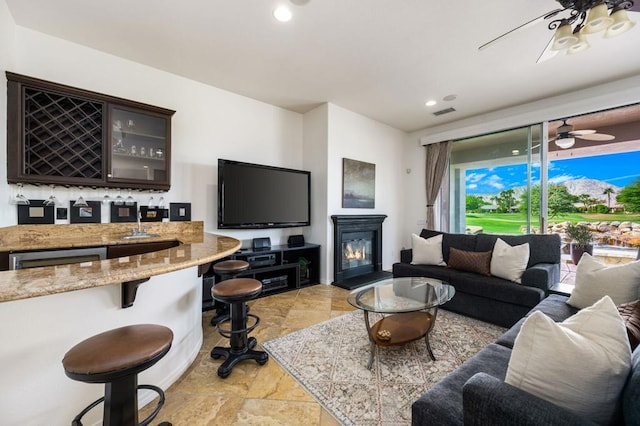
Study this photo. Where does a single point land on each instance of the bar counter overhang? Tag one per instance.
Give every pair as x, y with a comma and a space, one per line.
45, 311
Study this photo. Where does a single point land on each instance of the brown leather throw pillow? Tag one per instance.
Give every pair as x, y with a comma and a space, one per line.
471, 261
630, 313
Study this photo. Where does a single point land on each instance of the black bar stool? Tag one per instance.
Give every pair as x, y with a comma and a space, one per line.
227, 269
236, 292
115, 358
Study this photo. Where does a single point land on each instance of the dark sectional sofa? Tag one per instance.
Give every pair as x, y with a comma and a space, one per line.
490, 298
475, 394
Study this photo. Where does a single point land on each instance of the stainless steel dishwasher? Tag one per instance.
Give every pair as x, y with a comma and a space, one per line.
34, 259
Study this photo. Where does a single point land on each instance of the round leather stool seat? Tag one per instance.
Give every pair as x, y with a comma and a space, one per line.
228, 267
115, 358
117, 353
236, 290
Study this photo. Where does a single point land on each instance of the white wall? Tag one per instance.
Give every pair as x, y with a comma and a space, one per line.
315, 160
209, 123
359, 138
7, 60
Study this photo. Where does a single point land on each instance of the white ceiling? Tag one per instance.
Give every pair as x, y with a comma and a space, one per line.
380, 58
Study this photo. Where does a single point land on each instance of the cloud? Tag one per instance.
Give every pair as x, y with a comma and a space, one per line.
622, 177
472, 186
494, 181
562, 178
474, 177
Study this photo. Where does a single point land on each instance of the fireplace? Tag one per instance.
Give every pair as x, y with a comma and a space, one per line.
357, 250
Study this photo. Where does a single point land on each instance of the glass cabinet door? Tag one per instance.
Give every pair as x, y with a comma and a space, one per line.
140, 143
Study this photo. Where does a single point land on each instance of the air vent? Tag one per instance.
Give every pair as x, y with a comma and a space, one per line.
444, 111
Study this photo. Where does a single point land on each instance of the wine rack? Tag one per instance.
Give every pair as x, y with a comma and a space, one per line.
62, 135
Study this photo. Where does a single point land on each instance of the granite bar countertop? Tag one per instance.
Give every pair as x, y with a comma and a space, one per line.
197, 248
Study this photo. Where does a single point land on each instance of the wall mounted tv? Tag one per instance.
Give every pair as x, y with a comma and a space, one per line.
259, 196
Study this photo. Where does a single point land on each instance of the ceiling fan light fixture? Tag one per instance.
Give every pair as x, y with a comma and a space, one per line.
581, 45
621, 23
598, 19
565, 143
564, 36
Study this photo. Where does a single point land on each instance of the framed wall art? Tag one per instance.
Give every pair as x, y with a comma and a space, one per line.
358, 184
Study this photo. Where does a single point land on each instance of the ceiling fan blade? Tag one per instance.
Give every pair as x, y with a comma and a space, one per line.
598, 137
526, 24
547, 53
580, 133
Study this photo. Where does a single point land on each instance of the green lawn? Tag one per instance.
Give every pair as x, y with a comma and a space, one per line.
514, 223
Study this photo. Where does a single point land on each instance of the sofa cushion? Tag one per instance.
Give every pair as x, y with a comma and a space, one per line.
471, 261
442, 404
543, 248
595, 279
509, 262
555, 307
630, 313
544, 360
495, 288
439, 272
427, 251
459, 241
631, 392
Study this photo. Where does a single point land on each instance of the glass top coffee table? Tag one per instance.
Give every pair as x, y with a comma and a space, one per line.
409, 306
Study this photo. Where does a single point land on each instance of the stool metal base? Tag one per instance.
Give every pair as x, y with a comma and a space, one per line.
128, 414
241, 346
233, 357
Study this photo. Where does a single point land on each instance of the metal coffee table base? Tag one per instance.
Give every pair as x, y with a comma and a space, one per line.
403, 327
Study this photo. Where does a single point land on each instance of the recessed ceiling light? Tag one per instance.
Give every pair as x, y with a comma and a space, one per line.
449, 98
282, 14
430, 103
515, 152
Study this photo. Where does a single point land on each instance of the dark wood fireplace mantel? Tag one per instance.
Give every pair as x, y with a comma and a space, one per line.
350, 225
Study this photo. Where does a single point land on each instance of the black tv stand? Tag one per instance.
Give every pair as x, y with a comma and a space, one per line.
280, 268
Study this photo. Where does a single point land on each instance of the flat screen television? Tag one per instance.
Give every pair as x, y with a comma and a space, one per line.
259, 196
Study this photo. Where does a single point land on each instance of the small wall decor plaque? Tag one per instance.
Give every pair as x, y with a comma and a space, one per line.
35, 213
89, 214
179, 212
123, 213
358, 184
151, 214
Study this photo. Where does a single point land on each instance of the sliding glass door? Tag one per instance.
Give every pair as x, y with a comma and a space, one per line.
495, 182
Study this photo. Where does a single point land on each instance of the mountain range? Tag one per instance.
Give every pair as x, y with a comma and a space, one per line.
595, 188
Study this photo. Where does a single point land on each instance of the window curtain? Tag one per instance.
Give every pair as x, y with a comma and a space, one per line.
437, 160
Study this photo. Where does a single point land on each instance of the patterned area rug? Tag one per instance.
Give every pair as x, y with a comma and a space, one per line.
329, 361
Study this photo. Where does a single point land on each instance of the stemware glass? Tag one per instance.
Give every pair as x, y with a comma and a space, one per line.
152, 203
161, 203
106, 199
52, 200
118, 201
20, 199
80, 202
129, 201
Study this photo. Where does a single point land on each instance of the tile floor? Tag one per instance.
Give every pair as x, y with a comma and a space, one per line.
252, 394
260, 395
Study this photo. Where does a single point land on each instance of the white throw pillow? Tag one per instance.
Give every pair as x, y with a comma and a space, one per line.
427, 251
509, 262
595, 279
580, 364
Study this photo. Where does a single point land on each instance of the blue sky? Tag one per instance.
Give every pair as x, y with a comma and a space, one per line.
616, 169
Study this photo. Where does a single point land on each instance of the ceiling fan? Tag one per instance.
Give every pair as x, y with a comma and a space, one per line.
565, 135
590, 16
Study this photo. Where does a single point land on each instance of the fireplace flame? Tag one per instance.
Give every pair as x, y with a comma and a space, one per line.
357, 254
